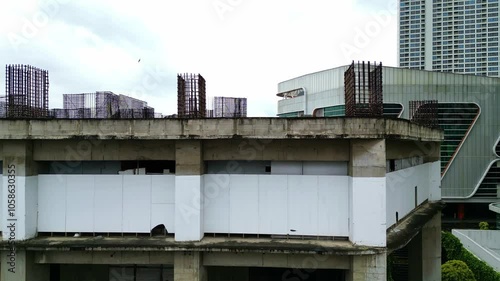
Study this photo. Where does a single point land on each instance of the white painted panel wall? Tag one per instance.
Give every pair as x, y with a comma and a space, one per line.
105, 203
163, 189
244, 204
275, 204
80, 203
273, 207
333, 203
401, 189
136, 203
31, 199
368, 211
51, 203
108, 204
216, 205
188, 208
302, 205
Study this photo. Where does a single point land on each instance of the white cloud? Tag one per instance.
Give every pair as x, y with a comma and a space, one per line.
244, 50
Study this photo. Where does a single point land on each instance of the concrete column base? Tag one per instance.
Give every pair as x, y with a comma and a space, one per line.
22, 266
368, 268
424, 252
188, 266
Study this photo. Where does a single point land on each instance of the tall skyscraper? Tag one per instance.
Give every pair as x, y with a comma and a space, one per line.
449, 36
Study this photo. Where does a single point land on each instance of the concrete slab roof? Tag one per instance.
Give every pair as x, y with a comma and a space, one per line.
218, 128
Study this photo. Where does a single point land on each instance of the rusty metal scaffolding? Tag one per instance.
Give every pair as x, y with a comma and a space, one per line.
191, 96
229, 107
27, 91
363, 90
103, 105
424, 112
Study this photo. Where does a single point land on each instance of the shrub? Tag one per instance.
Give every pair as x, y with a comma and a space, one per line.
454, 250
484, 225
455, 270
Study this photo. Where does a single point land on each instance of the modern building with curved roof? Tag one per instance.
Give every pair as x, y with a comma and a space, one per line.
468, 111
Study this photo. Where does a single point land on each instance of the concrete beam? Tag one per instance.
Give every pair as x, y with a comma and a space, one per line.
189, 158
367, 158
217, 128
276, 150
102, 150
104, 257
276, 260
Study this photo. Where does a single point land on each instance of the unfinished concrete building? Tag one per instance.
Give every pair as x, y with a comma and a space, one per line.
27, 91
229, 107
191, 96
103, 105
218, 199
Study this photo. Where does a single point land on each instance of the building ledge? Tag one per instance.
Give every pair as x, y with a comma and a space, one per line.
218, 128
207, 244
406, 229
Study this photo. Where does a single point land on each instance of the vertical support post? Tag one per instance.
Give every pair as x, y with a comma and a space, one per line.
189, 190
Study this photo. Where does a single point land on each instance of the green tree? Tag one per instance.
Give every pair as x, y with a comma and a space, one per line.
484, 225
455, 270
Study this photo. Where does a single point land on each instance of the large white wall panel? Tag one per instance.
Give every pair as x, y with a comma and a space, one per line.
244, 204
333, 206
302, 205
108, 203
31, 201
188, 208
401, 189
163, 214
215, 205
80, 203
136, 203
273, 207
51, 203
163, 189
105, 203
368, 211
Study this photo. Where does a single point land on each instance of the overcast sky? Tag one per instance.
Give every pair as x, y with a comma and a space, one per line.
243, 48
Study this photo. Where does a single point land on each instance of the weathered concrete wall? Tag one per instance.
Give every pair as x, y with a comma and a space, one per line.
368, 268
397, 149
105, 257
367, 158
258, 128
23, 268
276, 260
87, 150
277, 150
188, 266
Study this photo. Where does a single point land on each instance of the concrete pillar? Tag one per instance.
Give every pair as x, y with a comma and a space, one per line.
424, 252
189, 171
21, 266
367, 193
20, 191
188, 266
368, 268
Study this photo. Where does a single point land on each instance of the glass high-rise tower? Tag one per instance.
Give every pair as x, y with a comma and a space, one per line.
449, 36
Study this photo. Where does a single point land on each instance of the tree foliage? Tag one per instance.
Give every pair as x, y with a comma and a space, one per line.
454, 250
455, 270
